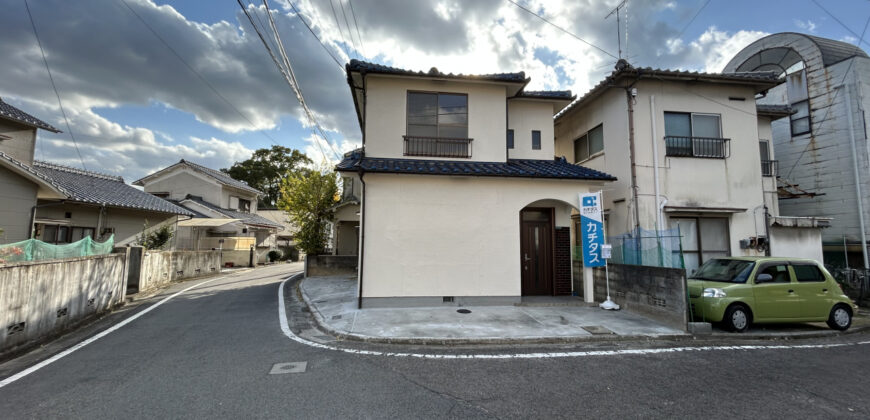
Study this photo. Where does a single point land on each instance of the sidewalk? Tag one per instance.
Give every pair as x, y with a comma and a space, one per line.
334, 305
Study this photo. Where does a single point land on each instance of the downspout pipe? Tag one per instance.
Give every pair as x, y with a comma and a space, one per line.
859, 196
362, 236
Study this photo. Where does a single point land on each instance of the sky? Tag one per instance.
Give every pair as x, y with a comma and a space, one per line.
145, 83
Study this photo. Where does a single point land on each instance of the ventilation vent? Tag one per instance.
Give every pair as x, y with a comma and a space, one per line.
15, 328
447, 299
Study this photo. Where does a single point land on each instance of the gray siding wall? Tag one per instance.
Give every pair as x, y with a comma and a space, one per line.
21, 145
822, 161
18, 196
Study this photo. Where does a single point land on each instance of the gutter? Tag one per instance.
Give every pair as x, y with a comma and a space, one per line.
362, 237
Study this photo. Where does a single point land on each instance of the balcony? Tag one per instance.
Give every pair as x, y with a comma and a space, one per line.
437, 147
697, 147
769, 168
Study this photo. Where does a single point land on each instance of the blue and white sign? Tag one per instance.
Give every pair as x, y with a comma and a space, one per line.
592, 229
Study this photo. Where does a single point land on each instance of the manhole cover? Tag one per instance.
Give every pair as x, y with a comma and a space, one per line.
463, 311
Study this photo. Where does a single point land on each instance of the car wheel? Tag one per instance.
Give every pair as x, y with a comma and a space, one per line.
736, 318
840, 318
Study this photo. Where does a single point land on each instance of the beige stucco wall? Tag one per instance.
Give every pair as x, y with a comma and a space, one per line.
180, 182
22, 144
128, 223
386, 104
451, 236
734, 182
525, 116
18, 196
796, 242
768, 183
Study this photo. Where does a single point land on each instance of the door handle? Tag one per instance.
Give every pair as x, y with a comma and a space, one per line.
824, 290
526, 257
790, 291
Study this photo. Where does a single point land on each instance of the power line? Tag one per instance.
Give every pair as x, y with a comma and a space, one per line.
562, 29
860, 38
356, 25
198, 75
53, 86
833, 99
325, 48
682, 31
347, 24
340, 31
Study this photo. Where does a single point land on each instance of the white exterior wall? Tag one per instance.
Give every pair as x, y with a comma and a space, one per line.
768, 183
386, 106
18, 196
451, 236
180, 181
525, 116
22, 144
796, 242
127, 223
228, 202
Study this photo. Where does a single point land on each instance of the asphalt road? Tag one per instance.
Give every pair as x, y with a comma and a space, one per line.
209, 352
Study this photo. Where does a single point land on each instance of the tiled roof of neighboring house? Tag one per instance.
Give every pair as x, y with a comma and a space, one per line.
366, 67
773, 110
219, 176
246, 218
30, 171
763, 80
522, 168
12, 113
92, 187
547, 94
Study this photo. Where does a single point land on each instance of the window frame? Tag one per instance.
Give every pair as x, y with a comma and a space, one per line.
536, 144
700, 251
437, 114
510, 138
244, 209
808, 118
589, 153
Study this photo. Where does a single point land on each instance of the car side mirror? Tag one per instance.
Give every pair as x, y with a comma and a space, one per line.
763, 278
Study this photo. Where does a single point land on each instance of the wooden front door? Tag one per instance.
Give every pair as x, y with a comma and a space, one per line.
536, 246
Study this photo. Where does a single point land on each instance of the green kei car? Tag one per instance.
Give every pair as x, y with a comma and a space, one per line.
738, 291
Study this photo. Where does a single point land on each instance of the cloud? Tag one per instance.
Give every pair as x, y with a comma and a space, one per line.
807, 25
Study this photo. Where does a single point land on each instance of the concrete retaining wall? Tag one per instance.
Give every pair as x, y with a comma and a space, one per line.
330, 265
656, 292
161, 267
40, 299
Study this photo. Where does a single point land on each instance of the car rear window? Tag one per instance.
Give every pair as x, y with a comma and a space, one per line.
808, 273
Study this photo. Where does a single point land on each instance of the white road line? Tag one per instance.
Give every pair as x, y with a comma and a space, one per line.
282, 317
115, 327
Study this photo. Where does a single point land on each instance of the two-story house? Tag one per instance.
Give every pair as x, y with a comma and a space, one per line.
461, 198
225, 212
822, 146
692, 155
59, 204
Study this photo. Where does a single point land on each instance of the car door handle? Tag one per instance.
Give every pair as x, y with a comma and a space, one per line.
824, 290
790, 291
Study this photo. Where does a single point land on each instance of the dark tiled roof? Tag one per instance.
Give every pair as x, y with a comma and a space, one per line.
12, 113
762, 79
30, 170
520, 168
246, 218
219, 176
363, 66
547, 94
92, 187
773, 110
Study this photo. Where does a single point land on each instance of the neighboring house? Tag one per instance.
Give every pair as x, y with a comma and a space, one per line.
345, 225
225, 212
59, 204
283, 240
822, 147
461, 198
687, 149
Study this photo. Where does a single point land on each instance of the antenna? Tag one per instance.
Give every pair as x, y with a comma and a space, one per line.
621, 5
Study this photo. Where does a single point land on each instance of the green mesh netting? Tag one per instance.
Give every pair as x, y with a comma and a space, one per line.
36, 250
648, 247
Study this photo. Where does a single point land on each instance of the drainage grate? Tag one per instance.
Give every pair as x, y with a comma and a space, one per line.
463, 311
336, 317
61, 312
656, 301
15, 328
597, 330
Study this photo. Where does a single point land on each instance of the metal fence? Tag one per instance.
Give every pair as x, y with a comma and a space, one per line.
855, 282
654, 248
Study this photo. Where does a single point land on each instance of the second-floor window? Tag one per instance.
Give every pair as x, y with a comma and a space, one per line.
510, 139
244, 206
536, 140
437, 115
694, 135
589, 144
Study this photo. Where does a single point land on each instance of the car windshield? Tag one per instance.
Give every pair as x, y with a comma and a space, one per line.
733, 271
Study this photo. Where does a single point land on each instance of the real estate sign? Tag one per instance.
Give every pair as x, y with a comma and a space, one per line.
592, 229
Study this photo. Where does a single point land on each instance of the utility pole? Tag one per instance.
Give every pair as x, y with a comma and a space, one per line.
621, 5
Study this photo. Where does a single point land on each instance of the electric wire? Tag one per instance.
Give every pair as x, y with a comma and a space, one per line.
325, 48
356, 25
347, 24
561, 29
682, 31
860, 38
54, 86
197, 74
340, 31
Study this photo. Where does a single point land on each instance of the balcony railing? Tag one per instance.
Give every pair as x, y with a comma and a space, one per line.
769, 168
699, 147
437, 147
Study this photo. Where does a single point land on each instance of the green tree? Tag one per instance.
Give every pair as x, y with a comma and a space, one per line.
155, 239
307, 197
266, 168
